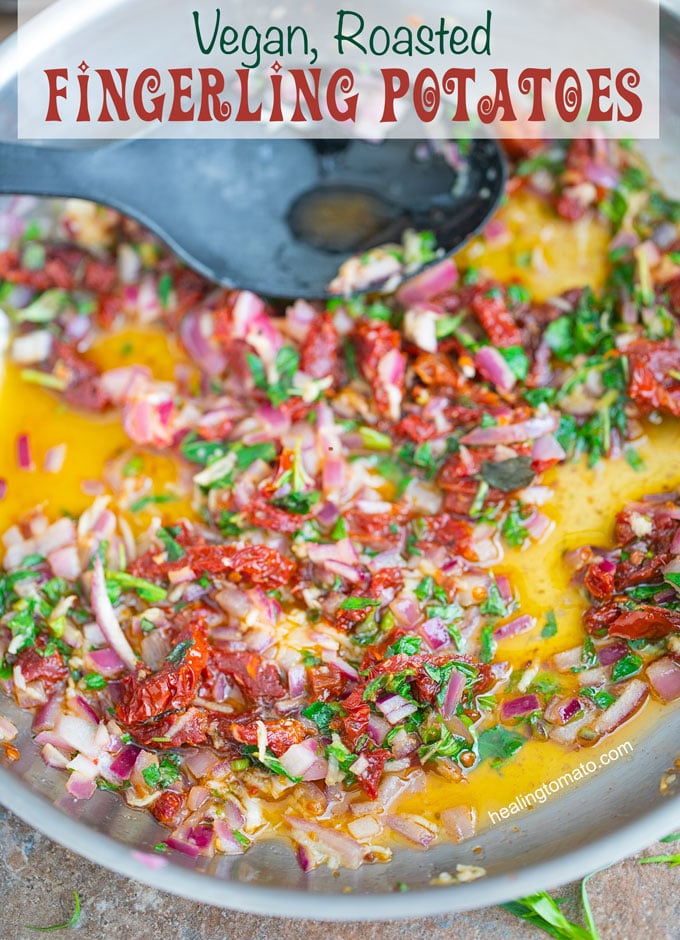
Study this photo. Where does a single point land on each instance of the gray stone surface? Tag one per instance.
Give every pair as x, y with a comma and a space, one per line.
38, 877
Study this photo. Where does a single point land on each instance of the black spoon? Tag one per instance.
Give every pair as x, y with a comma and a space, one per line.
277, 217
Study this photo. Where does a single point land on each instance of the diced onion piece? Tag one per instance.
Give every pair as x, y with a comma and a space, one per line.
664, 677
106, 617
633, 695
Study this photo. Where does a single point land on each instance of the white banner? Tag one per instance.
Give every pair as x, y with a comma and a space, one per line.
409, 68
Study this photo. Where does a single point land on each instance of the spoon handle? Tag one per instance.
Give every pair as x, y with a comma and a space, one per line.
45, 171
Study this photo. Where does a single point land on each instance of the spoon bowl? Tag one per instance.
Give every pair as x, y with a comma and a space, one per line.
276, 217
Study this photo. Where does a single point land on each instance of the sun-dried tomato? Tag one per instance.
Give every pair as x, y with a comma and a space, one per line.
496, 320
282, 733
167, 806
599, 582
319, 353
188, 727
374, 340
258, 679
100, 276
35, 666
438, 370
386, 580
83, 389
445, 529
369, 777
326, 683
258, 564
654, 369
173, 687
416, 428
647, 621
639, 568
261, 513
353, 725
376, 529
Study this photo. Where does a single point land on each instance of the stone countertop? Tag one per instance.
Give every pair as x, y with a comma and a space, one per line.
38, 877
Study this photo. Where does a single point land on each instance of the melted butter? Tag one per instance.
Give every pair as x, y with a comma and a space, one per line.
582, 507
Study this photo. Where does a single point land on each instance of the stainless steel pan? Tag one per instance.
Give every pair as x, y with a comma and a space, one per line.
613, 813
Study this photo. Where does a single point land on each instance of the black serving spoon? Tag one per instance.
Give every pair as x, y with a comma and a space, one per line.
278, 217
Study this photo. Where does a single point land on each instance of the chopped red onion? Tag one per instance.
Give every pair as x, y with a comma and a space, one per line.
195, 331
53, 757
563, 710
435, 633
523, 705
527, 430
410, 829
8, 730
80, 787
378, 728
228, 843
495, 369
24, 459
454, 692
46, 716
124, 761
631, 698
611, 653
332, 659
664, 677
496, 232
567, 658
460, 822
106, 617
395, 708
3, 488
183, 846
429, 283
54, 459
405, 611
297, 681
346, 850
303, 760
601, 174
521, 624
65, 563
547, 448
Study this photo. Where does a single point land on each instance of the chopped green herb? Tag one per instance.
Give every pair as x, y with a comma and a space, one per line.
166, 536
71, 922
498, 744
550, 628
165, 286
508, 475
493, 605
94, 681
358, 603
151, 500
178, 652
147, 590
164, 774
322, 713
600, 697
629, 665
487, 643
405, 645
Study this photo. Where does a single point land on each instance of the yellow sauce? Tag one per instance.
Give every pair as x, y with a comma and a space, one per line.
582, 507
